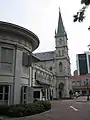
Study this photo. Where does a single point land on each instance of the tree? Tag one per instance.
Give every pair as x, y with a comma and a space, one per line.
81, 13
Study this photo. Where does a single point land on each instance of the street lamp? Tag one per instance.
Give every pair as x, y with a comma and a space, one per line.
87, 89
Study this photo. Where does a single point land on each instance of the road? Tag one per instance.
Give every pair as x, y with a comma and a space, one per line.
77, 109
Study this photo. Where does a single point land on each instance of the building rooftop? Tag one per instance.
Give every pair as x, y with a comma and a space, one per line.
43, 56
20, 31
79, 77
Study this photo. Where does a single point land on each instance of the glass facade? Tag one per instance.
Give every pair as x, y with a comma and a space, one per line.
82, 64
89, 61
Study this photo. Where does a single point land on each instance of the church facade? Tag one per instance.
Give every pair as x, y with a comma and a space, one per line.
58, 61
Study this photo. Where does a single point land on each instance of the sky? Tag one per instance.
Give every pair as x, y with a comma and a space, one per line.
41, 17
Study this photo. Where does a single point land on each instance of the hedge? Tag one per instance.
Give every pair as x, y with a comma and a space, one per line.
21, 110
46, 104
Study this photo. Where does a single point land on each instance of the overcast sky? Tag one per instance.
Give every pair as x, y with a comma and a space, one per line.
41, 17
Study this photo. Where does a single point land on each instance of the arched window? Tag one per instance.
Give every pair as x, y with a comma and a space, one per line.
60, 67
62, 52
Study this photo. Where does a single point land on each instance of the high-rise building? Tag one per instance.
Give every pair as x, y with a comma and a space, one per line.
83, 63
75, 73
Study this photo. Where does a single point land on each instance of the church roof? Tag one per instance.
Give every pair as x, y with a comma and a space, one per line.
60, 30
43, 56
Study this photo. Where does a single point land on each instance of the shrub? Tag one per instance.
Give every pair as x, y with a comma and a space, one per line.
46, 104
3, 109
21, 110
35, 100
16, 111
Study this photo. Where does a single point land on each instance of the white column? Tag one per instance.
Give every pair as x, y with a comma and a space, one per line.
46, 94
40, 95
30, 77
17, 80
54, 92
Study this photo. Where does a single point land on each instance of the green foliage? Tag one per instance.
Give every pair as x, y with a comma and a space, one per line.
3, 109
46, 104
81, 14
86, 2
35, 100
21, 110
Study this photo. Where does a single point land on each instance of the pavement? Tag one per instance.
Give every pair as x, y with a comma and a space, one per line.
82, 99
76, 109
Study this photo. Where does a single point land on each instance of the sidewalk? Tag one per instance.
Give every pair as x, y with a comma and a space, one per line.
82, 99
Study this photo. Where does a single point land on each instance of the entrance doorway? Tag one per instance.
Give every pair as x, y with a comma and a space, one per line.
61, 88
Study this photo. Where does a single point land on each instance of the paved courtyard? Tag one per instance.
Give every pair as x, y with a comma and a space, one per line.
77, 109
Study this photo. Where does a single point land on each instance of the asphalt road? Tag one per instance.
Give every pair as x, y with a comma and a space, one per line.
77, 109
66, 110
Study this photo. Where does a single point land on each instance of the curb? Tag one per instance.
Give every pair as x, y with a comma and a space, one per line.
22, 118
43, 112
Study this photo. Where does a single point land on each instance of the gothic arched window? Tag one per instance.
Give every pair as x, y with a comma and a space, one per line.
60, 67
62, 52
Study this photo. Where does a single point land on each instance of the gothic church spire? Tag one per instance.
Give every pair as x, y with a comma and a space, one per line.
60, 30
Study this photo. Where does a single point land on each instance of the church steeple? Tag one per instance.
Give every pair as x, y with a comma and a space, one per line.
60, 30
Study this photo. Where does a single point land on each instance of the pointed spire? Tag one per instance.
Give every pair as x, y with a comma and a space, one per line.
55, 32
60, 29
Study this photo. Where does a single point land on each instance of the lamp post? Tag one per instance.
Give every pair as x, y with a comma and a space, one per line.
87, 89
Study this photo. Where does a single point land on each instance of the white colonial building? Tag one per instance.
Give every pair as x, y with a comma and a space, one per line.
16, 45
44, 83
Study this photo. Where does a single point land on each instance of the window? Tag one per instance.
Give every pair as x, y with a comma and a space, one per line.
60, 67
78, 83
36, 94
35, 75
73, 83
6, 58
4, 92
23, 94
60, 53
84, 83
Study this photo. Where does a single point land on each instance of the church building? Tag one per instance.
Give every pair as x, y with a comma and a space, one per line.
58, 61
